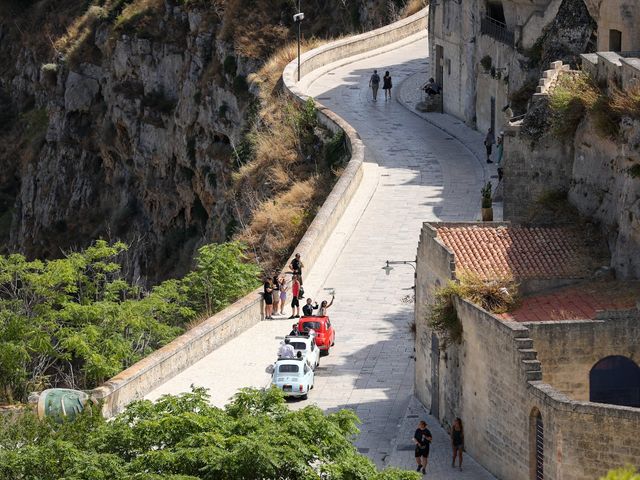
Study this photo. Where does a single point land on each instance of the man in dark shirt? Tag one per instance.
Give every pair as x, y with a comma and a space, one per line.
308, 309
296, 268
422, 438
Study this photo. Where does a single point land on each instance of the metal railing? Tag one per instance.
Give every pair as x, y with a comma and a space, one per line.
497, 30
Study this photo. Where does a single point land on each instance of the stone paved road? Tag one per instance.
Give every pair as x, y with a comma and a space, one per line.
422, 174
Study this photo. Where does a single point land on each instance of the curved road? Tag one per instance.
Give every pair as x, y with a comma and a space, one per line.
421, 174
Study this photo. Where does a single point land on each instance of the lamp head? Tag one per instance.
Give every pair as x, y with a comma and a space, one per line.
387, 268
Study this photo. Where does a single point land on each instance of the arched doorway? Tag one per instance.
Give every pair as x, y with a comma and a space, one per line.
615, 380
536, 445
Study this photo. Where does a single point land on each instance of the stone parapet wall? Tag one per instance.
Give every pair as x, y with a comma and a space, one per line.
584, 440
569, 349
612, 68
497, 377
139, 379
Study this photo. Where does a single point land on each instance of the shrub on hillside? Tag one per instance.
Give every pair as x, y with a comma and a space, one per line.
75, 321
497, 295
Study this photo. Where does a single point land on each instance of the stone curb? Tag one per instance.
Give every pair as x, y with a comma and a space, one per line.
139, 379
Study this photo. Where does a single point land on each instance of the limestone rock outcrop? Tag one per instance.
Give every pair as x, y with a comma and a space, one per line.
132, 133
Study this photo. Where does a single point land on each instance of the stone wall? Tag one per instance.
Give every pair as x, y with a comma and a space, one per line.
434, 268
135, 382
596, 172
569, 349
497, 376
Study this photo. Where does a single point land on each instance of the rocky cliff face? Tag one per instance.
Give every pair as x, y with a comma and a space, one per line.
127, 127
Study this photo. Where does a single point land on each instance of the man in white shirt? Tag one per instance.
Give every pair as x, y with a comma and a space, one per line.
286, 350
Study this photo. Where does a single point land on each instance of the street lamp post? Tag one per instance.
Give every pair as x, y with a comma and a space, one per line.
298, 18
387, 268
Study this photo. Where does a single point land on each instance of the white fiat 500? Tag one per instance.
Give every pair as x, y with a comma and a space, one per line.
307, 346
293, 376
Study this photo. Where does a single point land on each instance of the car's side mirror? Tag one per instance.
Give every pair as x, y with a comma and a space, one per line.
270, 369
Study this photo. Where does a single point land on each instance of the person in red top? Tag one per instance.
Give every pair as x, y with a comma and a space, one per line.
295, 292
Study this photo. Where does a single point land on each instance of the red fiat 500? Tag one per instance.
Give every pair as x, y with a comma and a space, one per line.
325, 334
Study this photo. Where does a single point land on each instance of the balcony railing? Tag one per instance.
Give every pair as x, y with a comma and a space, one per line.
497, 30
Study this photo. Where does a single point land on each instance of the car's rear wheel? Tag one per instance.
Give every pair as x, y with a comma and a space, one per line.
305, 396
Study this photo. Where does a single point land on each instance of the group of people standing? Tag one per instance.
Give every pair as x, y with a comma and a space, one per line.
422, 439
276, 289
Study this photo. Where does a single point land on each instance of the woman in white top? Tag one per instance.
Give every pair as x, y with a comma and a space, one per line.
324, 307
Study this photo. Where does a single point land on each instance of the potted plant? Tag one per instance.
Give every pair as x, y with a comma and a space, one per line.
487, 203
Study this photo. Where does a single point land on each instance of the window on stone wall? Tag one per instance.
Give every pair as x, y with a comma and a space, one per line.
496, 11
615, 40
536, 445
615, 380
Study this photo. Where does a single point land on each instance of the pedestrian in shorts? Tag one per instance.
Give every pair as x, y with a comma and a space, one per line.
422, 438
295, 303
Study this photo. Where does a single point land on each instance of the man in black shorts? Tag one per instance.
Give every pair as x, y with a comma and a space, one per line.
422, 438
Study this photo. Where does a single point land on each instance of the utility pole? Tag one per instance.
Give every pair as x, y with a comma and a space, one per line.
297, 18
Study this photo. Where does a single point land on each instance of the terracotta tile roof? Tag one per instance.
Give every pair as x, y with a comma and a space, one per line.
576, 302
522, 252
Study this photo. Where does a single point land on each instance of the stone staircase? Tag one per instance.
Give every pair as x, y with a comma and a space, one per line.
528, 356
550, 78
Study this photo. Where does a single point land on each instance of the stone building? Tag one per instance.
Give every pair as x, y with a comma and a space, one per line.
617, 24
552, 389
598, 172
487, 54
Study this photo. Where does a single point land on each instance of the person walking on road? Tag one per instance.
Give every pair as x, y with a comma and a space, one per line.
387, 85
422, 438
457, 442
489, 140
374, 83
295, 302
268, 299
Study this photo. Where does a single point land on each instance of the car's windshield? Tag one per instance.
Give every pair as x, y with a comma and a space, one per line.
288, 368
308, 325
298, 345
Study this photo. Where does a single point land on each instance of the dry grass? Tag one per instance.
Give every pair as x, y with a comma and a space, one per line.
413, 6
277, 224
496, 296
136, 10
269, 76
626, 103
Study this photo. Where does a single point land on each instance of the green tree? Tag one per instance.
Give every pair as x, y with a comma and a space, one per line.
74, 322
183, 437
627, 473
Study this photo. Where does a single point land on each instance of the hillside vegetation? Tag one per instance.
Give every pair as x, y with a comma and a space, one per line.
160, 123
76, 321
183, 437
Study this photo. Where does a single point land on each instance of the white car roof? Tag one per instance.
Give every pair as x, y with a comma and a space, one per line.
293, 338
289, 361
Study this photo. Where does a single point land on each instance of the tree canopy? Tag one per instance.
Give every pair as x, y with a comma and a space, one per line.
184, 438
75, 322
